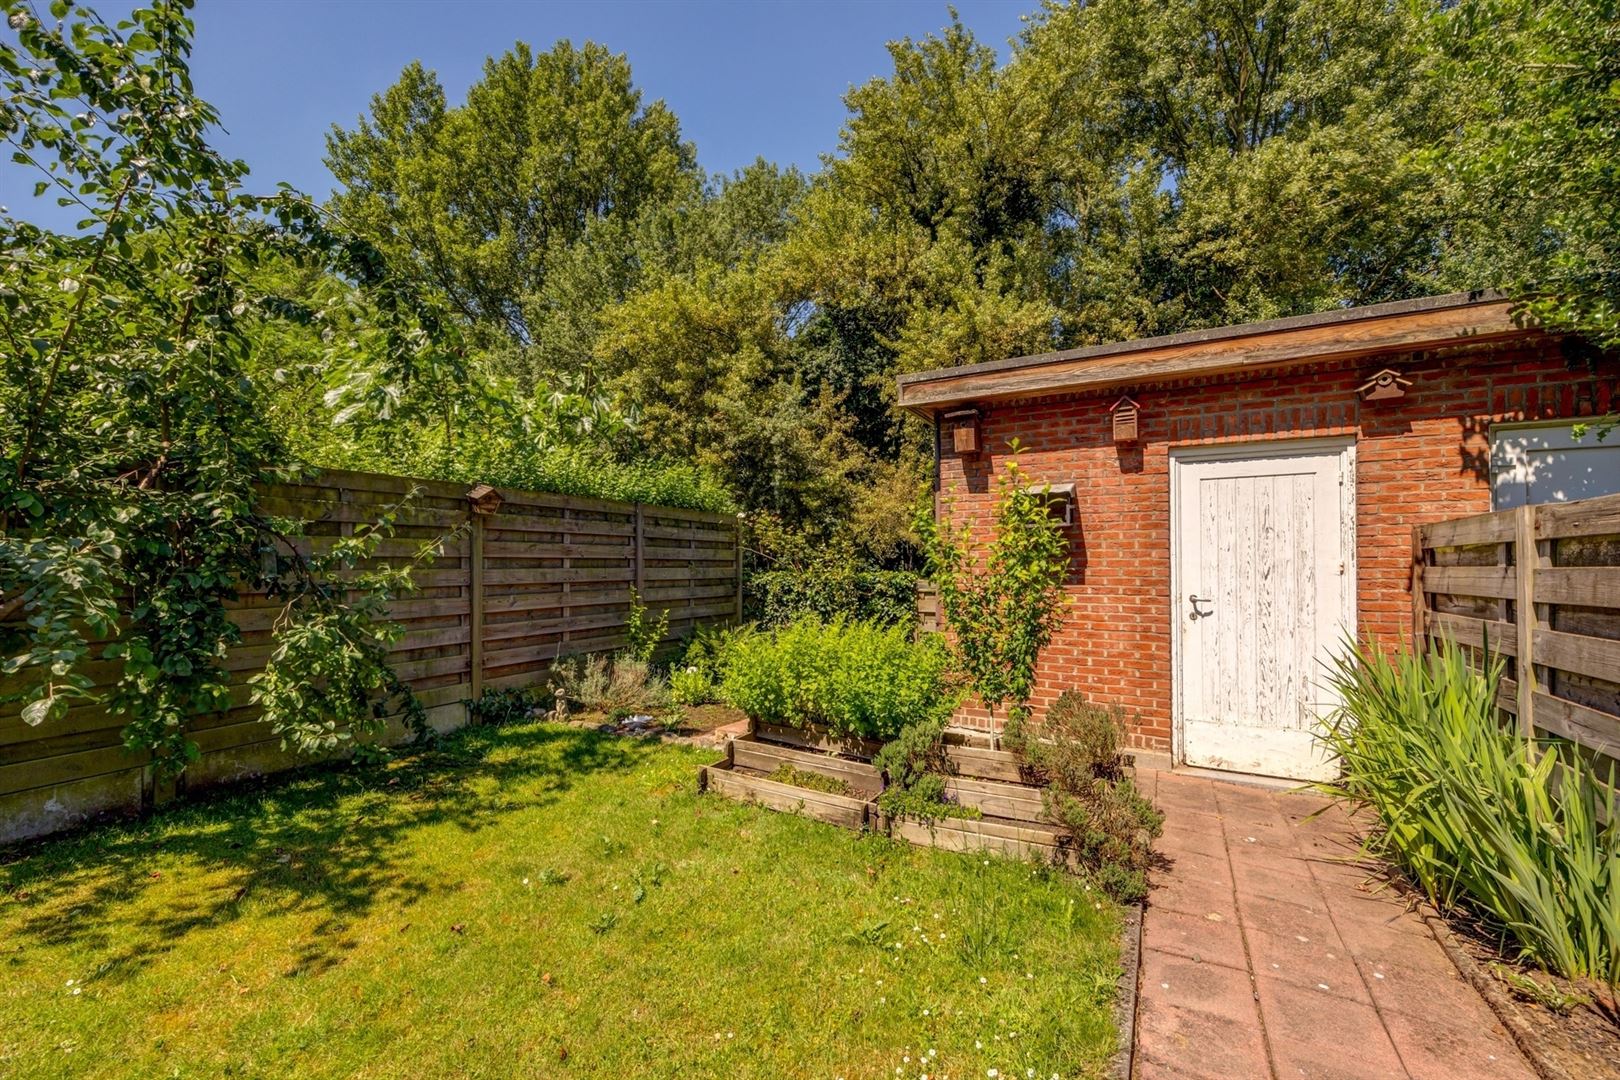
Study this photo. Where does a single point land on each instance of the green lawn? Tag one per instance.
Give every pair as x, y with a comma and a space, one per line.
538, 900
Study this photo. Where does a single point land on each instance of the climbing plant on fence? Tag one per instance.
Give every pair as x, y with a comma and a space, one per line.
1002, 610
130, 435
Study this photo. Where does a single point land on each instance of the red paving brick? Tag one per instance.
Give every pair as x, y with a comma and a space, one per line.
1270, 951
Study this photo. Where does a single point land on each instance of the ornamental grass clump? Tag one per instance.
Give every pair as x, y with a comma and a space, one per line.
856, 679
1075, 753
1524, 834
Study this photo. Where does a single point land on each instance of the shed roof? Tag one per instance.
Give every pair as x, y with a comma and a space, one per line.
1404, 325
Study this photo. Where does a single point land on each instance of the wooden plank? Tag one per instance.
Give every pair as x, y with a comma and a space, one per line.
817, 739
1213, 353
737, 569
475, 605
1597, 657
1524, 613
1586, 517
834, 809
557, 575
767, 757
1592, 728
1588, 586
985, 764
1500, 637
1496, 582
640, 552
1018, 801
1494, 528
1420, 596
957, 834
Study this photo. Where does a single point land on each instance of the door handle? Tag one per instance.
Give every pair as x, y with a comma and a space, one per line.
1194, 599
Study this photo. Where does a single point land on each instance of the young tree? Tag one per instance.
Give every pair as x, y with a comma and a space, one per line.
1001, 611
131, 437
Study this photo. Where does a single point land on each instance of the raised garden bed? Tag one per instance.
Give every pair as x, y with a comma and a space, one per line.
748, 784
986, 779
1002, 836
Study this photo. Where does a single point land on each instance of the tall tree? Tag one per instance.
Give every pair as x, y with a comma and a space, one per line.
1536, 171
549, 150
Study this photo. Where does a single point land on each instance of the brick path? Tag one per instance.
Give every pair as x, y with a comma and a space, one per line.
1266, 955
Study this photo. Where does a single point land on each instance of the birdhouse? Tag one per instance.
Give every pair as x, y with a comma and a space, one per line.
963, 424
1127, 416
1384, 385
484, 499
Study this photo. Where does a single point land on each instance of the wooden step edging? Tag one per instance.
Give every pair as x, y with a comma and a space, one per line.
988, 780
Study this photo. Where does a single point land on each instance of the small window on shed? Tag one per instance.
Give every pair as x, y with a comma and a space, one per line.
1543, 463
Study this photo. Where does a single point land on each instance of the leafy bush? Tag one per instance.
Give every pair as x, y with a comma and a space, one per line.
512, 459
1479, 817
621, 686
831, 591
642, 633
691, 686
858, 679
507, 706
706, 648
1074, 751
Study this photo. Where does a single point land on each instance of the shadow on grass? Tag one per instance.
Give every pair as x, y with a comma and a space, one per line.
331, 839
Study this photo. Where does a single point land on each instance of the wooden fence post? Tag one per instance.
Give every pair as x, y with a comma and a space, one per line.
738, 535
641, 554
475, 605
1524, 614
1420, 599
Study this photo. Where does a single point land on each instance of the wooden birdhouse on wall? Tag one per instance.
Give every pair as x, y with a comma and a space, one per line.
962, 426
1127, 420
1384, 385
484, 499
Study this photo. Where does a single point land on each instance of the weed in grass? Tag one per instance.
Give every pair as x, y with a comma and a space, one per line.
788, 773
605, 922
552, 876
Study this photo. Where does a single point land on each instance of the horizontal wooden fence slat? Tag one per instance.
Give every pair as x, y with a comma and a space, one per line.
1468, 531
552, 577
1588, 586
1555, 592
1499, 637
1492, 581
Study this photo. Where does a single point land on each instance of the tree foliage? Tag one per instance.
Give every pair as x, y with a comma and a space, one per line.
131, 433
1002, 608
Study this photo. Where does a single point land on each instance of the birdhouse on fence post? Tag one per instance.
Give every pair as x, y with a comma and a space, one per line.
1127, 420
963, 424
484, 499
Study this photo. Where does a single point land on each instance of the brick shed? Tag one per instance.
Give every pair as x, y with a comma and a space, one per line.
1263, 508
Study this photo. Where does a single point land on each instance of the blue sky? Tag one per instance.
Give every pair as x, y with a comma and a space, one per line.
746, 79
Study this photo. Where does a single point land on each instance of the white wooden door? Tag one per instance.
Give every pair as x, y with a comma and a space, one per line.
1263, 541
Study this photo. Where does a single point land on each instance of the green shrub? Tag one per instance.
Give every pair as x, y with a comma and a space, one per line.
1075, 753
691, 686
509, 458
507, 706
857, 679
1478, 816
621, 686
830, 590
643, 633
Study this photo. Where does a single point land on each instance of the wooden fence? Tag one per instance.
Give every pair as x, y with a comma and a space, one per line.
544, 576
1540, 587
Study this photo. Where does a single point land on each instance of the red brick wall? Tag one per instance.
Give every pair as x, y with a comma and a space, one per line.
1420, 458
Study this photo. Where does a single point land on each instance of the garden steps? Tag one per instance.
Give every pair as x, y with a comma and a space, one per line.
987, 779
